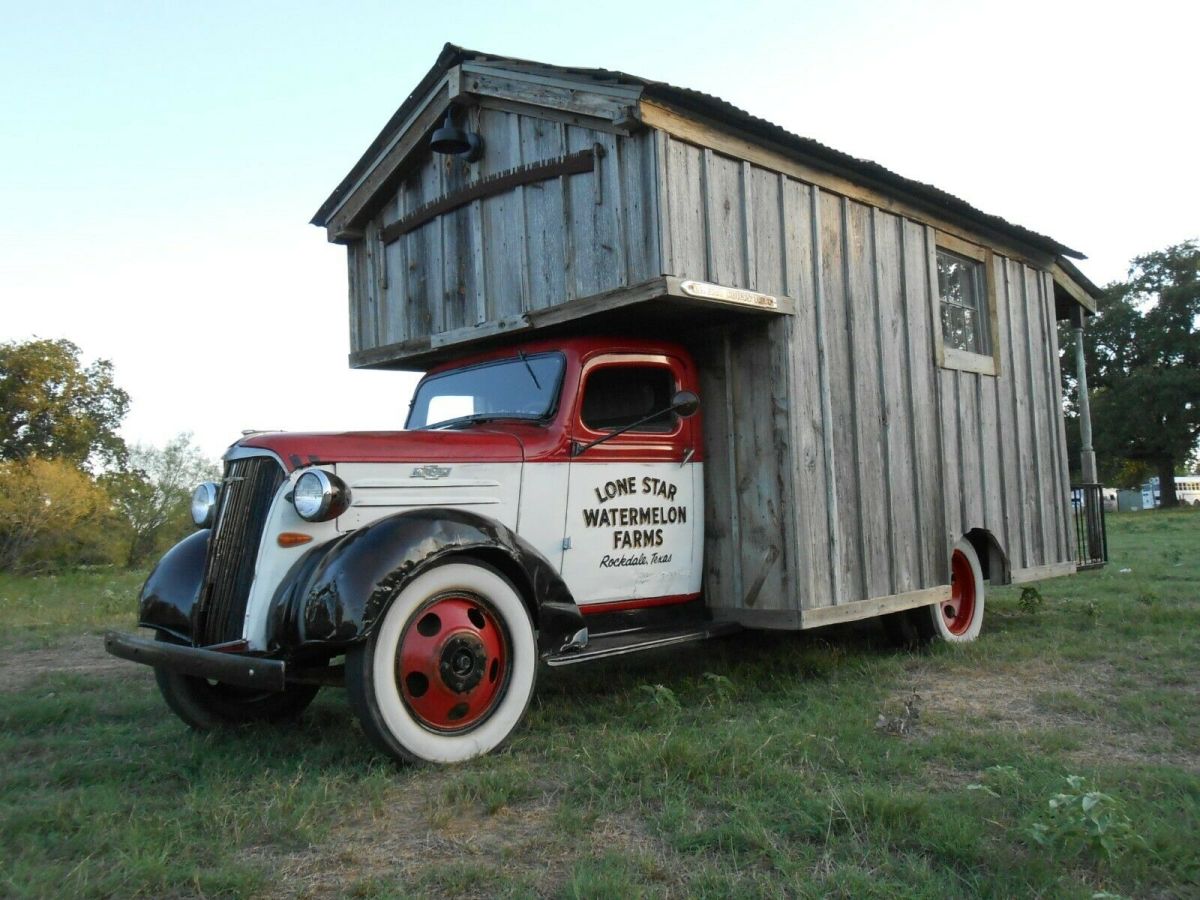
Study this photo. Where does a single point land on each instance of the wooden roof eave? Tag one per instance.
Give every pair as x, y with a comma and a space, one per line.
1075, 285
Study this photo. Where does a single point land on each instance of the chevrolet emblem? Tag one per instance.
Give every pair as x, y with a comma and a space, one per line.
430, 473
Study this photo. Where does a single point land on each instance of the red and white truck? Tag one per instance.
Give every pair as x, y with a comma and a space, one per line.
685, 373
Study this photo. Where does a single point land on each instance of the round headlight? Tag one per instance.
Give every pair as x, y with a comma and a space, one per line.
319, 496
204, 504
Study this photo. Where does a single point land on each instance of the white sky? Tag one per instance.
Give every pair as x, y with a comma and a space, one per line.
159, 162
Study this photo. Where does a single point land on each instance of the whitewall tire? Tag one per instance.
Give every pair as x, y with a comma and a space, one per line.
959, 619
449, 670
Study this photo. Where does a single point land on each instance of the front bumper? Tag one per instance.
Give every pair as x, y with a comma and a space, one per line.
228, 668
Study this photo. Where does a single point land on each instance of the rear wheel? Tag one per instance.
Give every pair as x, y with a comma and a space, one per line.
207, 705
958, 619
449, 670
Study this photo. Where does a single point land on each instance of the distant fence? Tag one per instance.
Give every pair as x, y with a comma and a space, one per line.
1091, 536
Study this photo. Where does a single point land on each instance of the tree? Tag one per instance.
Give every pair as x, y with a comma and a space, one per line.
1143, 359
54, 408
50, 513
152, 494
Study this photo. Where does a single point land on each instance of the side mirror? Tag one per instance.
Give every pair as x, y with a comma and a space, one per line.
685, 404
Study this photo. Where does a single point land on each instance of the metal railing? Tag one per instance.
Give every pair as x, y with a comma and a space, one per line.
1091, 537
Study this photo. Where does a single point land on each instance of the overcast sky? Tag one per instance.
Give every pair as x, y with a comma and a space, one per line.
159, 162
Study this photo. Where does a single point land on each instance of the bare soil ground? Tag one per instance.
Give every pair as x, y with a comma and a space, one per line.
1024, 702
80, 655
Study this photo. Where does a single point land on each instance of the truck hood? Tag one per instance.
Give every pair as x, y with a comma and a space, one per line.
298, 449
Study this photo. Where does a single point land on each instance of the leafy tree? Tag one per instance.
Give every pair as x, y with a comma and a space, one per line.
1143, 359
52, 407
51, 513
152, 495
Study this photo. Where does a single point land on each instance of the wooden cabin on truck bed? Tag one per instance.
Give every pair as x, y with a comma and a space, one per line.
878, 360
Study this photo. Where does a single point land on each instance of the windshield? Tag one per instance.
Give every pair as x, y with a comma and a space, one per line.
522, 387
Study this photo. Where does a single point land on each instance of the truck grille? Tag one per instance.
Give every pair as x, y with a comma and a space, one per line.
242, 508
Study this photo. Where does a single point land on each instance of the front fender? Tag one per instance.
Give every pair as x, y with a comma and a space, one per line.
336, 593
170, 594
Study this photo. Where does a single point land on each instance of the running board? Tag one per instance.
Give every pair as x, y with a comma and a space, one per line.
620, 643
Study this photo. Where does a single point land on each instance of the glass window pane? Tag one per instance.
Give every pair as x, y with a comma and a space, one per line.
616, 396
962, 286
523, 387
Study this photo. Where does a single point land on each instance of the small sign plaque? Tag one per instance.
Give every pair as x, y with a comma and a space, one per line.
728, 294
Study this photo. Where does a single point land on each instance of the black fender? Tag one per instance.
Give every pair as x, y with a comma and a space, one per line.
170, 594
334, 595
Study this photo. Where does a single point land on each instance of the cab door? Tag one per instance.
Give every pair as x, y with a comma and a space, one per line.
635, 501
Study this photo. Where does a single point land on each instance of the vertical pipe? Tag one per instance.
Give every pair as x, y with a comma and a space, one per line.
1087, 454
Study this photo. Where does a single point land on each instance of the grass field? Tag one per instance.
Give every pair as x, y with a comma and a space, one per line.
759, 765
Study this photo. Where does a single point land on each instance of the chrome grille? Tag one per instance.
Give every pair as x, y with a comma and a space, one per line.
242, 508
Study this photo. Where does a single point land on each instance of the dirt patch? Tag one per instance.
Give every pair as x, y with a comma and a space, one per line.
83, 655
413, 833
1024, 702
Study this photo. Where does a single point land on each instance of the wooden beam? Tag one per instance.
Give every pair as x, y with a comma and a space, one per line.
875, 606
585, 99
1068, 284
665, 292
552, 115
1037, 573
572, 164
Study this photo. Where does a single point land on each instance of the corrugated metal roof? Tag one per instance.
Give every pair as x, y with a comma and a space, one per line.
869, 173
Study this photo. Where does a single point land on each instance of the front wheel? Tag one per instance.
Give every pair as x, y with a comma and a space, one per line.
449, 670
208, 705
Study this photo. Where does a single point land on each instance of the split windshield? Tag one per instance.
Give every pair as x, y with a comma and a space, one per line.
522, 387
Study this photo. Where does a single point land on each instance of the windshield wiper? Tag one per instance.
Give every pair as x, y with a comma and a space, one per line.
476, 418
525, 359
463, 420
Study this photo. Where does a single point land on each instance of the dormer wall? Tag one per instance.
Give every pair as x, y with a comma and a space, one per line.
568, 211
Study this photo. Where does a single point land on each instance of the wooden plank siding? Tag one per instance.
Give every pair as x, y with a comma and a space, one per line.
893, 458
537, 245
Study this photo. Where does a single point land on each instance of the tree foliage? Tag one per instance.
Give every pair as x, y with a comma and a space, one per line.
50, 510
152, 495
53, 407
1143, 358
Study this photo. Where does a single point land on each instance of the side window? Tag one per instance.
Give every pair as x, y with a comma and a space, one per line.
965, 307
963, 291
616, 396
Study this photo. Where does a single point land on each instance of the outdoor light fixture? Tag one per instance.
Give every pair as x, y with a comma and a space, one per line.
454, 141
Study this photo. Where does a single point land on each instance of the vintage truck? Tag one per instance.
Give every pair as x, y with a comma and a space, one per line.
686, 373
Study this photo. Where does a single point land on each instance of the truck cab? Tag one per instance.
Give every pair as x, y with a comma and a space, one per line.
543, 503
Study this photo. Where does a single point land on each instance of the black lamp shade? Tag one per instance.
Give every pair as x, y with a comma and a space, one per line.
454, 141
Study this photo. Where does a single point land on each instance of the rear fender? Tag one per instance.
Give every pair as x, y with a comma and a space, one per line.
336, 593
170, 594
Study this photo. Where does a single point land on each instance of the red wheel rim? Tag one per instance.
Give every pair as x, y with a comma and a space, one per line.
452, 662
959, 611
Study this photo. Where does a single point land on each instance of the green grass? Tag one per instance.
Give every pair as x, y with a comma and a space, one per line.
746, 767
41, 610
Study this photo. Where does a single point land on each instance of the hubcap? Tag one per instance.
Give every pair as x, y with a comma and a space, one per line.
452, 662
959, 611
